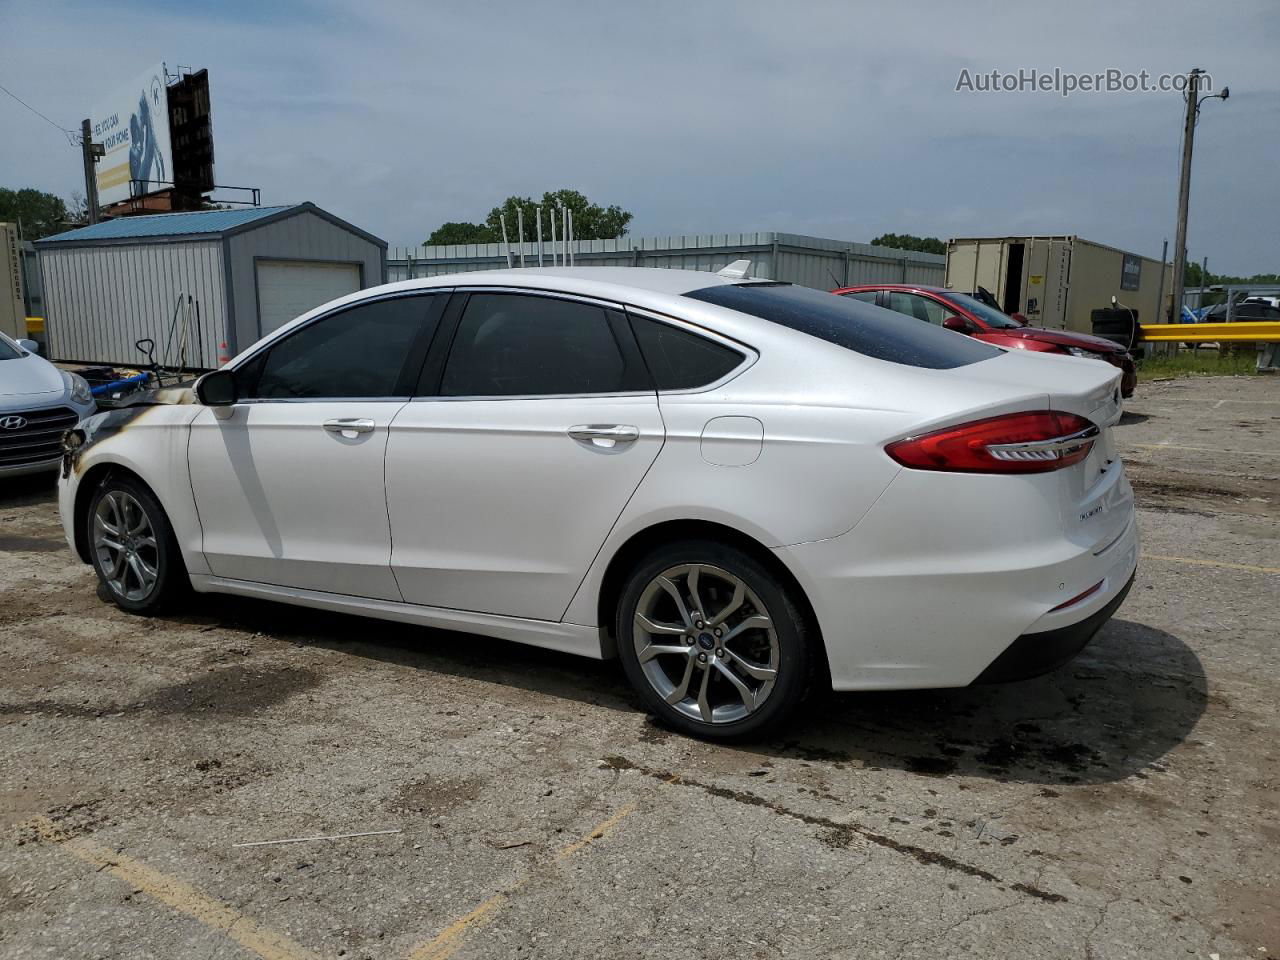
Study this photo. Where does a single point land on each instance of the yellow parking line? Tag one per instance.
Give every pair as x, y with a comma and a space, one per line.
451, 939
181, 896
1212, 563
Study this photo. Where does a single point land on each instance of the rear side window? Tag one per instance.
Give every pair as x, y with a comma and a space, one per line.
679, 359
358, 352
859, 327
522, 345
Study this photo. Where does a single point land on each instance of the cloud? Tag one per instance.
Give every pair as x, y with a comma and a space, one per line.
827, 118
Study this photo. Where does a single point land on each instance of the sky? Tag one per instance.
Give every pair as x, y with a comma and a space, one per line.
836, 120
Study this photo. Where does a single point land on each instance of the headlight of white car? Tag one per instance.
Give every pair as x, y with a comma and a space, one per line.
1078, 352
78, 386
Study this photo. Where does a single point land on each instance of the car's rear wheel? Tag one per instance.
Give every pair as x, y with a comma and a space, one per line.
714, 644
132, 546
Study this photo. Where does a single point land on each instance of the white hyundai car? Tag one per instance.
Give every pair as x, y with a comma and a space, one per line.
38, 404
739, 488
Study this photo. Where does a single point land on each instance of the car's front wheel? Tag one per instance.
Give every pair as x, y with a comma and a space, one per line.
714, 644
132, 546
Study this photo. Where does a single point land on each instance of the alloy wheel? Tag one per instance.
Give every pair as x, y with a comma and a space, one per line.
126, 546
705, 643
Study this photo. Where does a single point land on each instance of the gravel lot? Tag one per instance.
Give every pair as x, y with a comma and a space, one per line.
1124, 806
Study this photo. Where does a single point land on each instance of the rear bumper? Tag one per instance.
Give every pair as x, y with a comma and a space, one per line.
949, 571
1033, 654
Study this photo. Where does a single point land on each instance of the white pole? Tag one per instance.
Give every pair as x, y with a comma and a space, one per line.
564, 236
539, 236
520, 232
553, 237
572, 237
502, 217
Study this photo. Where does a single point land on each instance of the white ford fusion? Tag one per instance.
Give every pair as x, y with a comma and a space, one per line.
739, 488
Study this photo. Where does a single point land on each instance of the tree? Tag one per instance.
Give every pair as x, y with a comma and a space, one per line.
1192, 277
39, 214
906, 241
590, 220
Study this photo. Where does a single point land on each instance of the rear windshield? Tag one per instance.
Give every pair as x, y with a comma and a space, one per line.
850, 323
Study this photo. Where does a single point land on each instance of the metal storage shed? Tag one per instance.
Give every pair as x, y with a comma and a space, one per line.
247, 271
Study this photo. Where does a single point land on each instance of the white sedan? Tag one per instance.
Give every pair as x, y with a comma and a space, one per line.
740, 488
38, 403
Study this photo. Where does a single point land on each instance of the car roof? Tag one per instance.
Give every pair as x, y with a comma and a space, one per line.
894, 286
606, 282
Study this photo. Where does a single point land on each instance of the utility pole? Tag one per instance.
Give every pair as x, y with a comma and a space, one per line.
1184, 183
1184, 192
91, 152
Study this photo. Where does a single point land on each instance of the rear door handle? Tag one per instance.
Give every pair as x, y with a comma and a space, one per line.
349, 426
605, 434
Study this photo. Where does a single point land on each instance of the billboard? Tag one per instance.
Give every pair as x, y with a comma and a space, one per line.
133, 128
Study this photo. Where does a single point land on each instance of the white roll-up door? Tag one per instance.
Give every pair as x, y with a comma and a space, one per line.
288, 289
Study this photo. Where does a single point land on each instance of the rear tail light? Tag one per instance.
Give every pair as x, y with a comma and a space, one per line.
1034, 442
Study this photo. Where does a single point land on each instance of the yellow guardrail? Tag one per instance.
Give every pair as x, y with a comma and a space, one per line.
1259, 331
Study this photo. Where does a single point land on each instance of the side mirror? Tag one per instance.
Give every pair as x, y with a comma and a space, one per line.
958, 324
1020, 318
29, 345
217, 389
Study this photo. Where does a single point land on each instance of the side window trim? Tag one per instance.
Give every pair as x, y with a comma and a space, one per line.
417, 353
433, 370
749, 354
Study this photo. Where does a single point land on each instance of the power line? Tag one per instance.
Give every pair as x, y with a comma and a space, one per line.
71, 135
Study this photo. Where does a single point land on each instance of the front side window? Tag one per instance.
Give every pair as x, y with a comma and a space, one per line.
358, 352
525, 345
8, 349
860, 327
922, 308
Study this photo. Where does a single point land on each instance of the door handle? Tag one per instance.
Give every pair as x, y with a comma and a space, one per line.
605, 434
349, 426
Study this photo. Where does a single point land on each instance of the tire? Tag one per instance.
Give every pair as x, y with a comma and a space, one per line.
124, 512
773, 660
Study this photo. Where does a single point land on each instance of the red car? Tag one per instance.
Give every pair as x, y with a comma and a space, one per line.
966, 314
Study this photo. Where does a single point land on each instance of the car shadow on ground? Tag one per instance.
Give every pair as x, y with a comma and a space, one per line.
27, 491
1112, 713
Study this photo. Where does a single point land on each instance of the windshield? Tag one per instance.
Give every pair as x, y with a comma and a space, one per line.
851, 324
988, 315
8, 349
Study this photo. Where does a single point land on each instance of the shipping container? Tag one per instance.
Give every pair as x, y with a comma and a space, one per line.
13, 315
1057, 281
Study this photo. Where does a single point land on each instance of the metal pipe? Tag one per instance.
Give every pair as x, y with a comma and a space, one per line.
539, 236
571, 237
502, 218
520, 231
564, 236
552, 218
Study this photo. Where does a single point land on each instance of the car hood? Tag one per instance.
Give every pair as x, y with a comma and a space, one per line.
1064, 338
29, 376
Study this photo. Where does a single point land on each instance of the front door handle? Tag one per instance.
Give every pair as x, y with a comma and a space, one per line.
349, 427
605, 434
